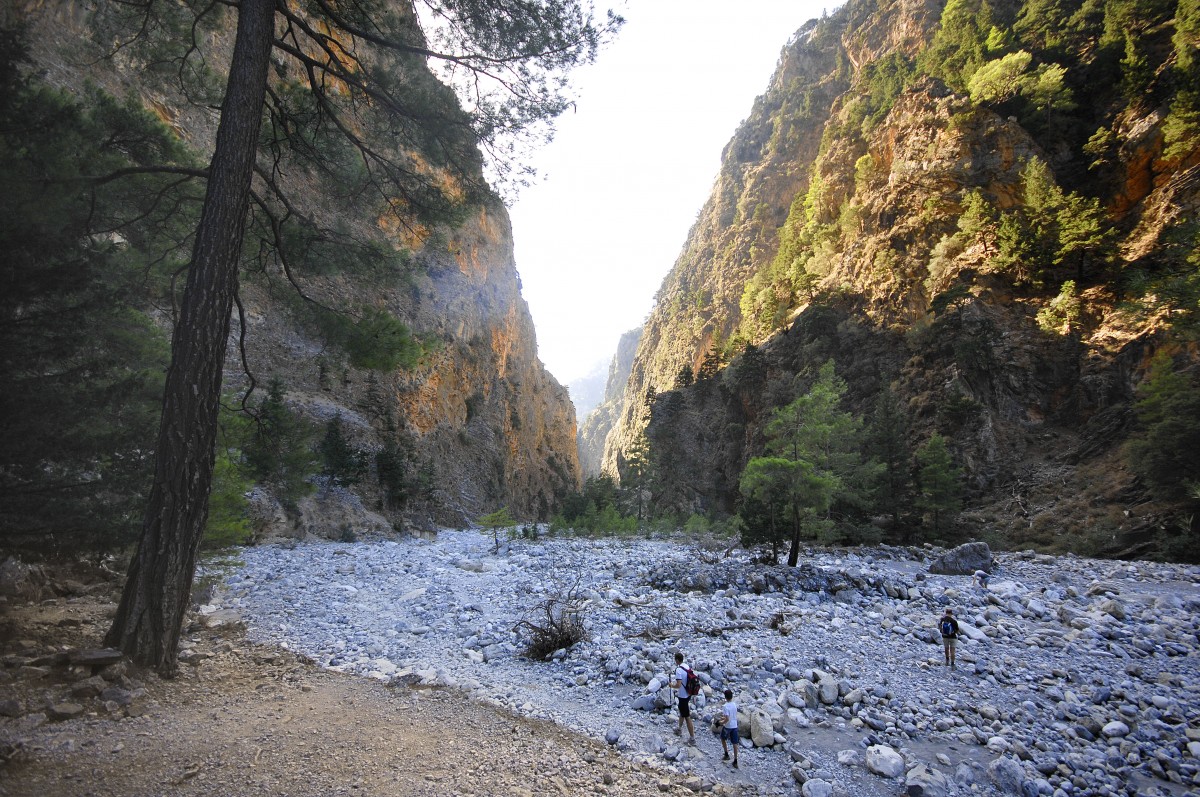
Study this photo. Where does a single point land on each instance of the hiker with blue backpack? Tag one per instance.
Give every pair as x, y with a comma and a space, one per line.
949, 628
686, 684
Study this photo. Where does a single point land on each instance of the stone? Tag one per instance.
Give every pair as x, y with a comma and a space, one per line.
644, 703
64, 711
1115, 729
10, 707
883, 760
89, 687
613, 735
848, 758
827, 689
101, 657
963, 560
1006, 774
816, 788
115, 694
762, 730
924, 781
222, 618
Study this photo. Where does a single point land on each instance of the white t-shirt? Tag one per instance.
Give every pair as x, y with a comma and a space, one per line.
730, 711
681, 678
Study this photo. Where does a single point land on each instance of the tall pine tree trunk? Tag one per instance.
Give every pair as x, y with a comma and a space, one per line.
794, 551
150, 616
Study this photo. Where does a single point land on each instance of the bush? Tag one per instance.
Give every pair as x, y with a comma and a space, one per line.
559, 625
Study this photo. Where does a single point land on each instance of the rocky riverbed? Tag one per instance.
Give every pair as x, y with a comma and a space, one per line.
1075, 677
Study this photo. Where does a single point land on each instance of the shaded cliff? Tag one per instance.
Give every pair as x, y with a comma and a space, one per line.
476, 413
941, 230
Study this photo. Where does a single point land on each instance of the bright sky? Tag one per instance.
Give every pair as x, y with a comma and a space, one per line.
629, 170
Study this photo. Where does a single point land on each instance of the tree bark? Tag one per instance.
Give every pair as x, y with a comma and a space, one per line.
794, 551
150, 616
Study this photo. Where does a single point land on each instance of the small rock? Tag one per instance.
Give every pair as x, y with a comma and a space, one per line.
1115, 729
101, 657
89, 687
64, 711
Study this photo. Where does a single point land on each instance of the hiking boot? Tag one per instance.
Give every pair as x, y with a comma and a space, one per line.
725, 757
735, 766
679, 731
691, 740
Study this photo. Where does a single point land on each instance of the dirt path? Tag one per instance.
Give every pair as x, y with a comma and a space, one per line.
249, 720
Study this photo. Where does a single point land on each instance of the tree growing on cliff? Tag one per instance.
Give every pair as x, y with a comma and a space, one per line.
1165, 448
342, 464
349, 97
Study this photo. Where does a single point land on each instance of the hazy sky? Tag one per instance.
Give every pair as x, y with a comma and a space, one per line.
629, 170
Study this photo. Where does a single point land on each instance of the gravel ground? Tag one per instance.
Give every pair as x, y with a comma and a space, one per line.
396, 667
247, 719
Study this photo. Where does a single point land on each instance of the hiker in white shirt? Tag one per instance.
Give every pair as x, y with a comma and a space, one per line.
679, 684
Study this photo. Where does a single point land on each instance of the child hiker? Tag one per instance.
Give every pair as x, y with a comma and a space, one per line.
729, 727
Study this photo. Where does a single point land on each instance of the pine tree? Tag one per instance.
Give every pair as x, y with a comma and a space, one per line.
366, 95
1165, 450
342, 465
495, 521
887, 440
277, 452
939, 488
637, 476
80, 357
813, 458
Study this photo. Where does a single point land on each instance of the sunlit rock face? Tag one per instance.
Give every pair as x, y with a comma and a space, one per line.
881, 192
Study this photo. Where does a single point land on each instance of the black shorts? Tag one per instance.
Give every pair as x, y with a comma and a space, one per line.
684, 707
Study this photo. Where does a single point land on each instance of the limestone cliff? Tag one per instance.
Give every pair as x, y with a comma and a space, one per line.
840, 227
600, 421
479, 413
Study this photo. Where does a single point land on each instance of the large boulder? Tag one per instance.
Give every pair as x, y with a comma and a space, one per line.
18, 579
884, 761
924, 781
762, 730
963, 560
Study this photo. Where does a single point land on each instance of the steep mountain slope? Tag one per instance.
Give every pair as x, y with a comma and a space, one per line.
952, 203
478, 416
594, 430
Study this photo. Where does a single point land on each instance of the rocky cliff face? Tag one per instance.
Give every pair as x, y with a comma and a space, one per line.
479, 413
836, 229
600, 422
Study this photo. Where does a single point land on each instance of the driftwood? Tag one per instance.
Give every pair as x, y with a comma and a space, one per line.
626, 603
654, 634
718, 630
561, 624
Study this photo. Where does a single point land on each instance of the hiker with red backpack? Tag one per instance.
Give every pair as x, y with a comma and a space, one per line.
686, 684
